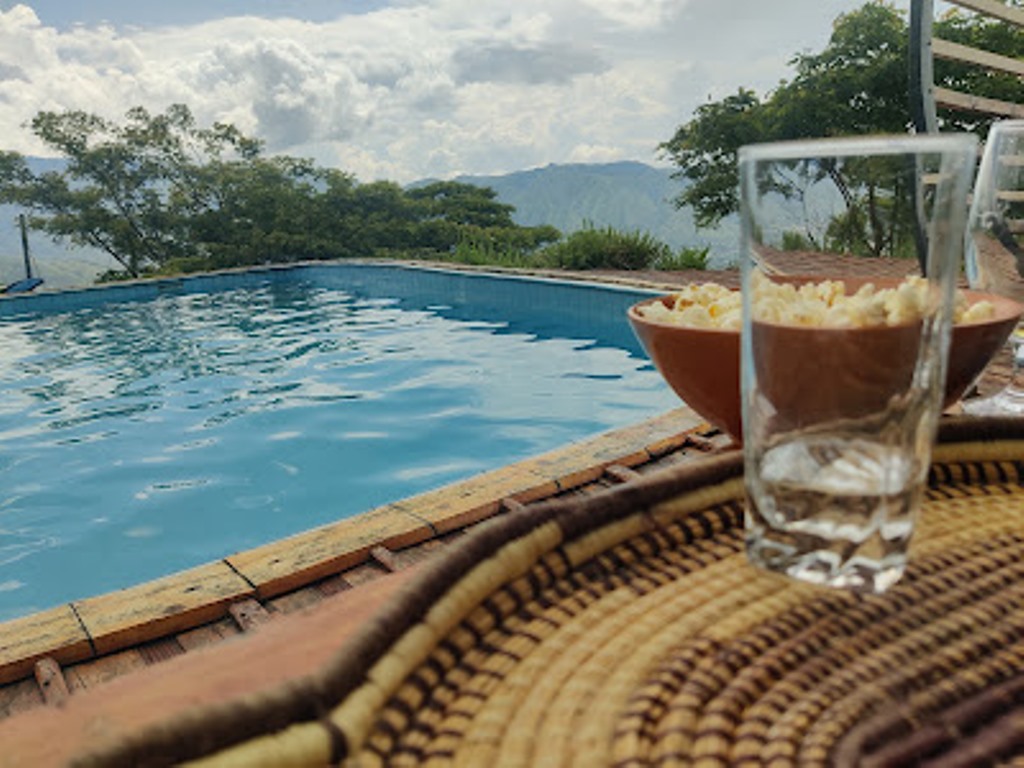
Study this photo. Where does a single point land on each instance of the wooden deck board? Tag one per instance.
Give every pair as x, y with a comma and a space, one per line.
220, 673
57, 633
160, 607
95, 672
299, 600
285, 565
208, 634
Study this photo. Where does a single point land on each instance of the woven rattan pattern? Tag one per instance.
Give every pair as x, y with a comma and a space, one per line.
627, 629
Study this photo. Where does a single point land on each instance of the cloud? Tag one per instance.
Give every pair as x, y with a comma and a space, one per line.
12, 72
287, 94
640, 14
414, 88
549, 63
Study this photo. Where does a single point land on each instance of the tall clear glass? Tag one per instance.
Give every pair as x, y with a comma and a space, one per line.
840, 406
993, 250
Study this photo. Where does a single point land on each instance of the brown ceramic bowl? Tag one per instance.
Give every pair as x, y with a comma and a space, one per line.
703, 365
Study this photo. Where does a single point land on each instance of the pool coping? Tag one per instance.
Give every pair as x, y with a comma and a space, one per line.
103, 624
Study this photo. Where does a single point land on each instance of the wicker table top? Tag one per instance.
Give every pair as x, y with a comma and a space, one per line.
627, 629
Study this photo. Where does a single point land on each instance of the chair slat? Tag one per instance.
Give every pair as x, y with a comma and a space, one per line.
967, 102
993, 10
945, 49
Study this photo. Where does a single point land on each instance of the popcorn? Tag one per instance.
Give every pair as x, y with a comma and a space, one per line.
816, 305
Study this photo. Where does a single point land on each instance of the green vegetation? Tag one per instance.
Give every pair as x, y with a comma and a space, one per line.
686, 258
857, 85
586, 249
606, 248
163, 195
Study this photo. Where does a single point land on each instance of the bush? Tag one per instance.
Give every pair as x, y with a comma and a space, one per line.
796, 241
605, 249
687, 258
482, 247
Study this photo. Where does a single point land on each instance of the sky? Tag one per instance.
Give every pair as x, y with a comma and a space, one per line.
407, 89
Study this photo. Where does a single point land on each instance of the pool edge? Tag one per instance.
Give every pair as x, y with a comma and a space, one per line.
107, 623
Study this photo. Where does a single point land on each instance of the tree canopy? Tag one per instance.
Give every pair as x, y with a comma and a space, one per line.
857, 85
158, 192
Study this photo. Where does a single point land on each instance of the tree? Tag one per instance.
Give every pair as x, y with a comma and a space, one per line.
856, 85
705, 151
126, 189
159, 193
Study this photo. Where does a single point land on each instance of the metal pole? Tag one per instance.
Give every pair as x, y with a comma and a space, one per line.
24, 246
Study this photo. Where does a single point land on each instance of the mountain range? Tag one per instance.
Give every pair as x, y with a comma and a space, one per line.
627, 196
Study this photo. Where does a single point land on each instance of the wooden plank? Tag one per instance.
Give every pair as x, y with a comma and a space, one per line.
96, 672
993, 9
945, 97
410, 556
945, 49
365, 574
332, 585
249, 614
456, 506
299, 600
385, 557
629, 447
56, 633
209, 634
162, 607
107, 714
51, 682
621, 474
159, 651
286, 565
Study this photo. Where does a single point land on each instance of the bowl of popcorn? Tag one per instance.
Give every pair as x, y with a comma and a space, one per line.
843, 338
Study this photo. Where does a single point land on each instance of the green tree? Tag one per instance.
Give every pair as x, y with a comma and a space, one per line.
460, 203
125, 187
857, 84
705, 151
160, 194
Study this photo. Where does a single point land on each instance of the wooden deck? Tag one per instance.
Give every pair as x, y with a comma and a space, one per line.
112, 663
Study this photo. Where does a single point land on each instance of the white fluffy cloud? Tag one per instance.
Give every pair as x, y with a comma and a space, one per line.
420, 88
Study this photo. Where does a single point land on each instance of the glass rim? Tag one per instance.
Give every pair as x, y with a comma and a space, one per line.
848, 146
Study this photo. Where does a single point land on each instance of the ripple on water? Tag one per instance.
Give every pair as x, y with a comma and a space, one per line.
142, 437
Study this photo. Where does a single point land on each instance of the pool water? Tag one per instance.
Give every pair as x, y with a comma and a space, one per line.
150, 428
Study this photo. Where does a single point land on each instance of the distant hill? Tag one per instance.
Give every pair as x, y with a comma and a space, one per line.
628, 196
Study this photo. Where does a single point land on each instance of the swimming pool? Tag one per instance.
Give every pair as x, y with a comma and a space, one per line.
151, 427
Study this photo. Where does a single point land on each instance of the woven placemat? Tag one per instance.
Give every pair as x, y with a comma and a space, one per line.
626, 629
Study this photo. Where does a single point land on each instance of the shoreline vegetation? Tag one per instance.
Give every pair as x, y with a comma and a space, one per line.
164, 196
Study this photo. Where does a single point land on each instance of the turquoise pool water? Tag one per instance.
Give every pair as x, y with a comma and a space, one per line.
149, 428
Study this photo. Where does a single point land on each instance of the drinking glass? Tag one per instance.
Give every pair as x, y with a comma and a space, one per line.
839, 420
994, 256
